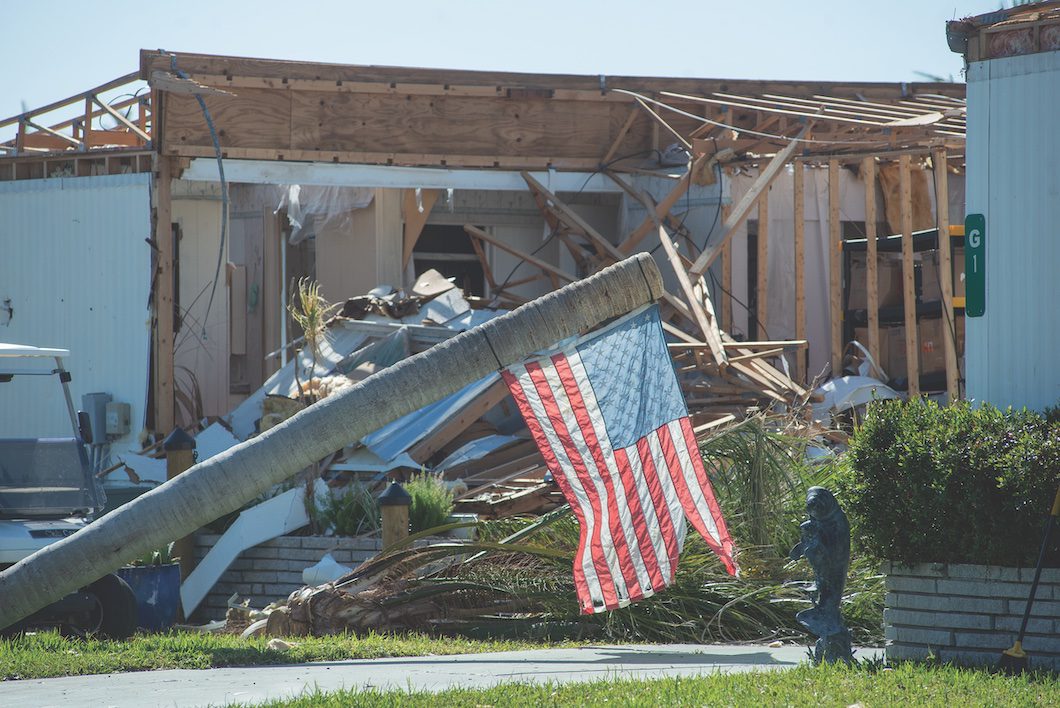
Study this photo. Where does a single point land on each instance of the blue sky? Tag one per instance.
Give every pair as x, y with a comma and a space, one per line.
56, 49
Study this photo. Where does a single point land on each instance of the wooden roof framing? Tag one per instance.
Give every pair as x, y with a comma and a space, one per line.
300, 111
82, 132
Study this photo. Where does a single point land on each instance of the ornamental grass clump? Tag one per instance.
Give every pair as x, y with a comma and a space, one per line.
432, 501
348, 512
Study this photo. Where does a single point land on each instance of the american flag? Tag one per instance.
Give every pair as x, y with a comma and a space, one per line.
608, 416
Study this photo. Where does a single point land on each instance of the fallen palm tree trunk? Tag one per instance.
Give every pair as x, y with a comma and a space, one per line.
224, 483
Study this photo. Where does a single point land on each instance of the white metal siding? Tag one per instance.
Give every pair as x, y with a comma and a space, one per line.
76, 267
1013, 351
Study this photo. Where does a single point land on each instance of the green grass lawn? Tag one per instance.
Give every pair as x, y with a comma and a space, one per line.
48, 654
907, 684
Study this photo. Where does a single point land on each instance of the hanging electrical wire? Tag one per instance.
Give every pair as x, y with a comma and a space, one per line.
224, 190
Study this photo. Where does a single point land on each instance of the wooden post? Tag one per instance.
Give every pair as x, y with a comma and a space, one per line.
86, 131
180, 456
726, 278
762, 287
872, 285
835, 266
394, 504
164, 387
912, 348
939, 161
801, 363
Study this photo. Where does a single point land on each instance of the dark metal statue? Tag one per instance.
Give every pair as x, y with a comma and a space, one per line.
826, 545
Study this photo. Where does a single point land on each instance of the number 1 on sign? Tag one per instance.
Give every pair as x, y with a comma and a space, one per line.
975, 265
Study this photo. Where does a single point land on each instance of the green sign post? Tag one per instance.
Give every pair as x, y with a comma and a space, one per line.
975, 265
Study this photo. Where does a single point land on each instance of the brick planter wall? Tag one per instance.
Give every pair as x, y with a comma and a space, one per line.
273, 570
969, 614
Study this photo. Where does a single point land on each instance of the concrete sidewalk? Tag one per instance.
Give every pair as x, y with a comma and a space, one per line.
433, 673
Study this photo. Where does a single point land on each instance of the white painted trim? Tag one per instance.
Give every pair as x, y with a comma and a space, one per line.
345, 175
275, 517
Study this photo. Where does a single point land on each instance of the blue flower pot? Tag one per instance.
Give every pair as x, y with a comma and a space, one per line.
157, 590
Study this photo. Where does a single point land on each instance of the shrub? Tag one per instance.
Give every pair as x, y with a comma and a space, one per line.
349, 512
432, 501
952, 484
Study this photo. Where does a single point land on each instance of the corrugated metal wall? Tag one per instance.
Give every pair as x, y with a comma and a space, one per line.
76, 268
1013, 351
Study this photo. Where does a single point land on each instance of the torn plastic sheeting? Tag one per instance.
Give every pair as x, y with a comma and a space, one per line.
848, 392
312, 208
476, 449
274, 517
391, 440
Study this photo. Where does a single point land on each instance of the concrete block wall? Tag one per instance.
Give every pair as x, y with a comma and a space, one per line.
969, 614
273, 570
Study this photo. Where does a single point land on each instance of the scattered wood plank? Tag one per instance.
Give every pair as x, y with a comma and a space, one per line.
707, 325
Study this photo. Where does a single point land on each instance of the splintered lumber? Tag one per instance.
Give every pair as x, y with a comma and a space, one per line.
225, 482
663, 208
707, 325
532, 260
743, 208
550, 203
543, 497
726, 277
783, 343
717, 422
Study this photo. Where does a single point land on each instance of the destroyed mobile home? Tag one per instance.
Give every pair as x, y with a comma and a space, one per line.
760, 201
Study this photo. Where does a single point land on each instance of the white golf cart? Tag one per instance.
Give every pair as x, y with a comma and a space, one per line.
48, 492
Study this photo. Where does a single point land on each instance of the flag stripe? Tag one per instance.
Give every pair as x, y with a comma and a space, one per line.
699, 514
578, 498
649, 535
519, 395
673, 520
559, 428
610, 549
624, 536
727, 549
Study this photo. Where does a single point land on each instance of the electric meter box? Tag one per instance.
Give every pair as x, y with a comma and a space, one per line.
119, 416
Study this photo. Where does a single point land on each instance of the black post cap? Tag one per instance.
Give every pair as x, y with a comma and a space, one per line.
178, 440
395, 495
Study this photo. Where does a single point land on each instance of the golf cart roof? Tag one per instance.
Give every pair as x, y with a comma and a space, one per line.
23, 350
